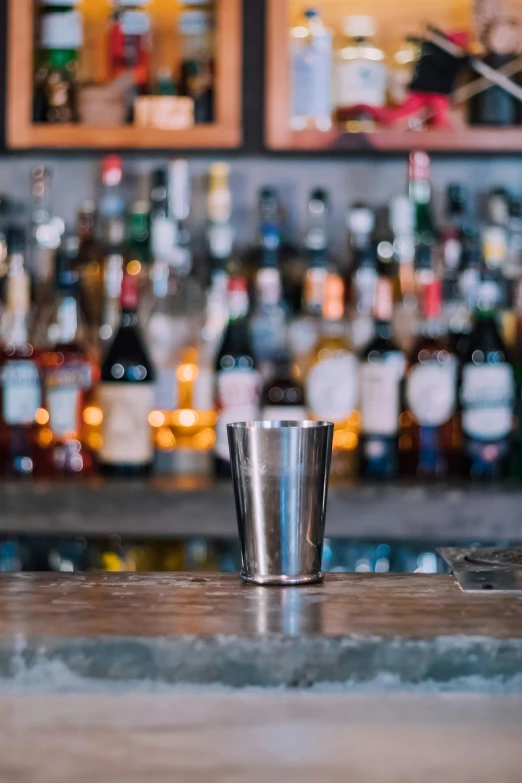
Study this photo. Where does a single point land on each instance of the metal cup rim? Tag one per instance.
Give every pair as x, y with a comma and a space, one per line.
279, 425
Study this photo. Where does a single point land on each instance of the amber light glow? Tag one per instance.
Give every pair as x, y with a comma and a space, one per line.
156, 419
93, 416
187, 372
41, 416
133, 268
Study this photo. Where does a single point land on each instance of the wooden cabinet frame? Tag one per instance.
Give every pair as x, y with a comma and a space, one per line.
22, 133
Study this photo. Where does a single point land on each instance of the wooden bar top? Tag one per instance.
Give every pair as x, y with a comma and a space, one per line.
170, 605
201, 628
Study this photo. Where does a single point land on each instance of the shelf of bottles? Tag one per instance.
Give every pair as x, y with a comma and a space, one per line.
442, 76
124, 73
127, 347
196, 554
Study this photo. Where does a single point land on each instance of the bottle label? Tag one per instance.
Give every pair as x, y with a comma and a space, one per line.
63, 389
361, 81
238, 394
284, 413
126, 432
430, 394
379, 385
163, 238
487, 398
331, 388
21, 392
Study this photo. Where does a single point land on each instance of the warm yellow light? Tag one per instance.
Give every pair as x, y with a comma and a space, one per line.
187, 418
156, 419
204, 439
165, 439
133, 267
93, 416
187, 372
95, 441
45, 437
345, 440
41, 416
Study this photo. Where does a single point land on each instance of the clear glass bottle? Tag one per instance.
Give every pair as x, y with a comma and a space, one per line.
311, 66
268, 322
20, 380
332, 381
360, 70
67, 369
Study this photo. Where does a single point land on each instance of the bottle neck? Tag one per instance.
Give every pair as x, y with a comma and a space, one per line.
67, 319
129, 300
17, 303
383, 329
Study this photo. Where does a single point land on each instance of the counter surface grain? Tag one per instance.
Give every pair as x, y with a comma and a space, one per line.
206, 628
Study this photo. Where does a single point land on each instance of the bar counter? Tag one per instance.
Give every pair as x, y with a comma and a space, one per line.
202, 629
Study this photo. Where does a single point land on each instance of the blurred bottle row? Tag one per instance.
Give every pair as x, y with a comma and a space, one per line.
111, 62
123, 350
199, 554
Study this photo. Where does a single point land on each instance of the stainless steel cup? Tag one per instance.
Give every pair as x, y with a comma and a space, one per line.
280, 471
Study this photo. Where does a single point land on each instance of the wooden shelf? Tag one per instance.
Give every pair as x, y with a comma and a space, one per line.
278, 134
468, 140
22, 133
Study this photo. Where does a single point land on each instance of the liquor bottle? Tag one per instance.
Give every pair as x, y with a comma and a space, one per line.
364, 283
456, 312
238, 381
126, 394
303, 331
197, 68
405, 315
130, 42
360, 71
56, 77
283, 395
428, 437
112, 233
89, 265
268, 322
425, 234
311, 64
46, 231
67, 371
331, 384
20, 385
487, 393
220, 238
513, 267
380, 373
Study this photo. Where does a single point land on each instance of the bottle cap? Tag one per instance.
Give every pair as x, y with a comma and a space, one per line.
219, 171
420, 166
112, 170
383, 307
361, 26
61, 31
310, 13
432, 299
